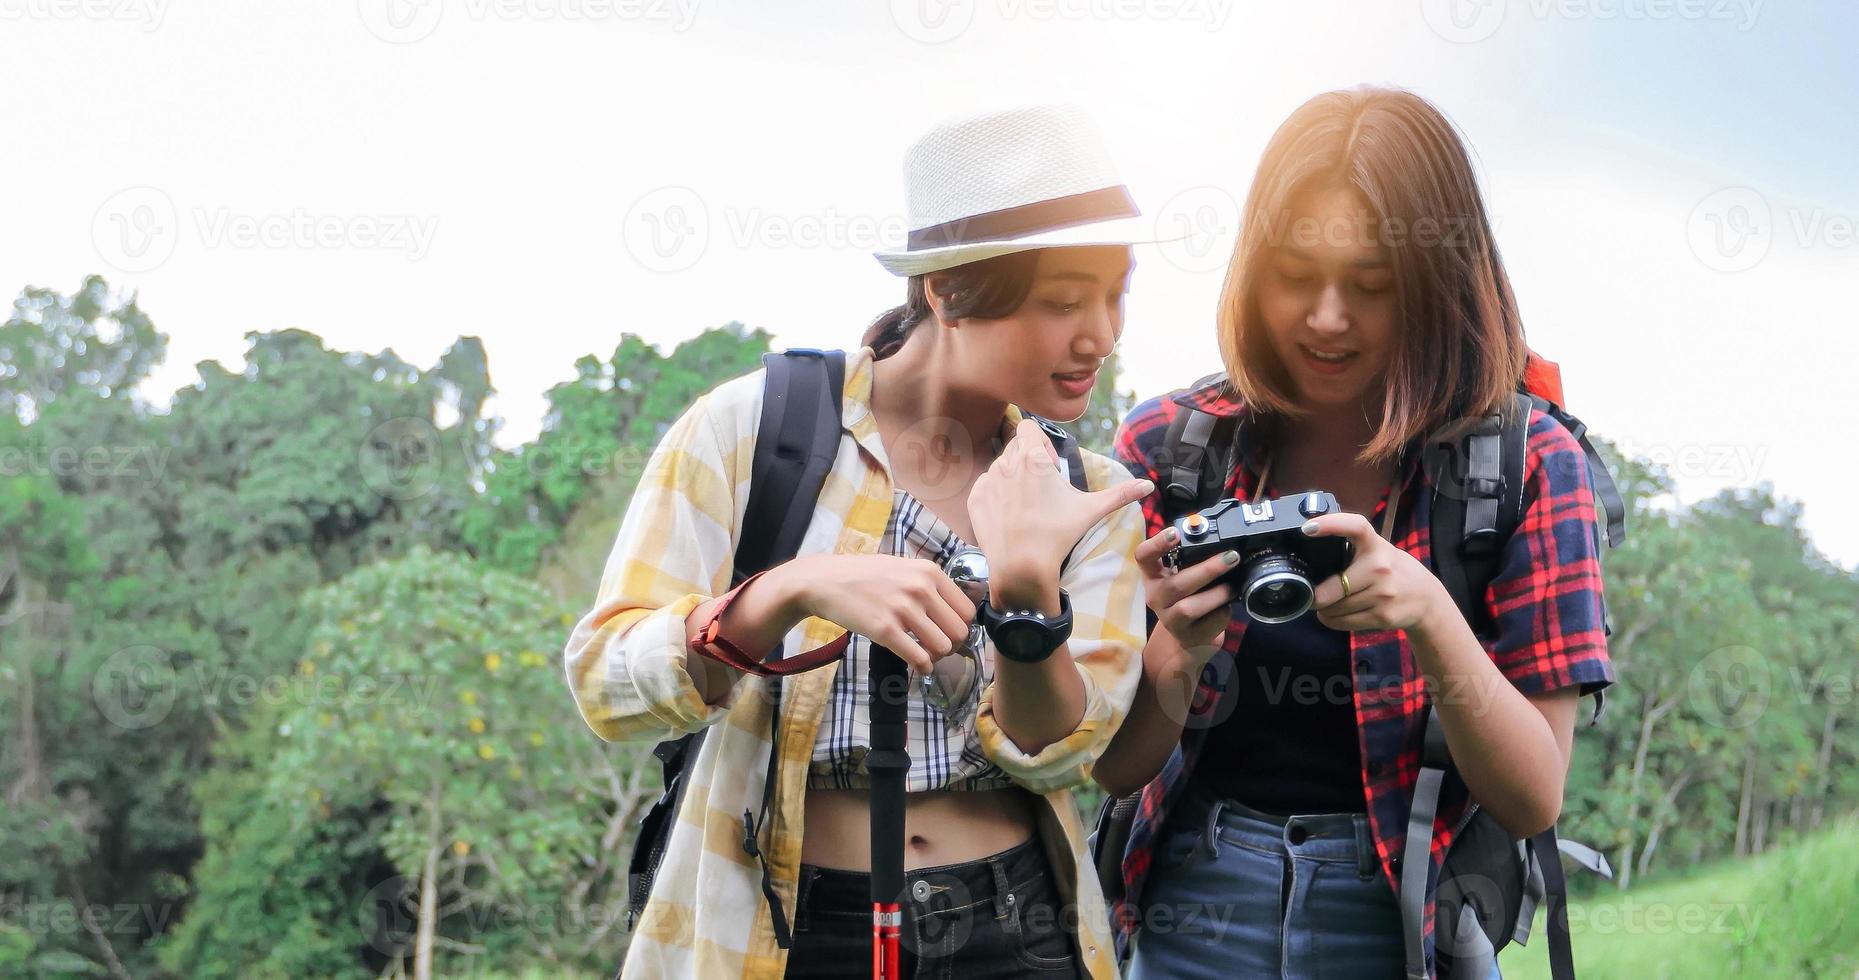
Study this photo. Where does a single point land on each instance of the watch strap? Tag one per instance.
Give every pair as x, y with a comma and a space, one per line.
1057, 628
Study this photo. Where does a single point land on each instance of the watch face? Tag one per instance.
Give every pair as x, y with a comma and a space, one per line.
1021, 640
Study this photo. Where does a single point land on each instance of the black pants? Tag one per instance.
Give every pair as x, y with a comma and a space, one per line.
997, 917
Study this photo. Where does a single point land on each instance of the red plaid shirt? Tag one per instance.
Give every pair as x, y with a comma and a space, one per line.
1545, 601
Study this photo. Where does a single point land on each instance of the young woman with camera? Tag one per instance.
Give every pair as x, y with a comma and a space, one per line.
1014, 298
1365, 308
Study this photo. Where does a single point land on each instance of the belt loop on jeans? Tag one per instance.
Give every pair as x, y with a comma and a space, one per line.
1368, 860
1003, 895
807, 874
1210, 831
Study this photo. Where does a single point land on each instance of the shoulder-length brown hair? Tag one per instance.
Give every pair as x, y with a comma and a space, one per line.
1460, 351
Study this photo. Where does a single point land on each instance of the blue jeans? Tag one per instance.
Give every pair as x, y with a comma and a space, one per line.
1239, 893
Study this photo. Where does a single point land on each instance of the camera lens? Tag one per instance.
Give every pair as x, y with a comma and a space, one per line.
1276, 587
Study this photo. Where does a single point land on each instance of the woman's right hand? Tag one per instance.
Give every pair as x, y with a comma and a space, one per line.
886, 599
1196, 619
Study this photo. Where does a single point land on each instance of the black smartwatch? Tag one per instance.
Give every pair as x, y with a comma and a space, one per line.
1027, 636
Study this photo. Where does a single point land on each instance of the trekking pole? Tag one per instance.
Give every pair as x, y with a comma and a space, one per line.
888, 762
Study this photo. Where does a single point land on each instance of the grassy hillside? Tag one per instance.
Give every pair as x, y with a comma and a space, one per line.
1793, 912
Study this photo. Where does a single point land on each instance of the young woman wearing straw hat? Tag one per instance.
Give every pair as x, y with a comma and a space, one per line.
1018, 260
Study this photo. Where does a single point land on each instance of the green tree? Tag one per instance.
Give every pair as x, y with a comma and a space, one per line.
438, 710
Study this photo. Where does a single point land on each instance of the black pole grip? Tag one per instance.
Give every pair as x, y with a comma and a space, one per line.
888, 763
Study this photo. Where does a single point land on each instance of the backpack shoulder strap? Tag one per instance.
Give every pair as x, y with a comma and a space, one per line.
1477, 478
1477, 506
1197, 454
794, 450
1416, 854
795, 445
1069, 451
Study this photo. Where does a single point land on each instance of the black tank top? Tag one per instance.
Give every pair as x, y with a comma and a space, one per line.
1289, 746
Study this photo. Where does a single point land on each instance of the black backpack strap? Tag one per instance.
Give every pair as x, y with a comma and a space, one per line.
796, 442
1548, 857
1477, 505
1068, 448
794, 450
1477, 478
1197, 454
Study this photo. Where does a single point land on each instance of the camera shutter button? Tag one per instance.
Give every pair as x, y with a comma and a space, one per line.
1312, 505
1195, 523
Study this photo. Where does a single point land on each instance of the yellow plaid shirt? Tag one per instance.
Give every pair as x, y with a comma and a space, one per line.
625, 666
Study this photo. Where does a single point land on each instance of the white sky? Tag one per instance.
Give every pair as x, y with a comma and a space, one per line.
500, 167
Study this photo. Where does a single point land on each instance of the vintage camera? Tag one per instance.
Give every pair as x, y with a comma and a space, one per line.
1279, 565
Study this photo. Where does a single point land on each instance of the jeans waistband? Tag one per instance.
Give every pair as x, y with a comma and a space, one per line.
943, 888
1320, 836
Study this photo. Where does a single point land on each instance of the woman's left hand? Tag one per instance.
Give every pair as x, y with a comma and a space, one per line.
1389, 589
1027, 516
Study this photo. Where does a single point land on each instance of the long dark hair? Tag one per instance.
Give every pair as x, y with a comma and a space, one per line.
988, 289
1461, 350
